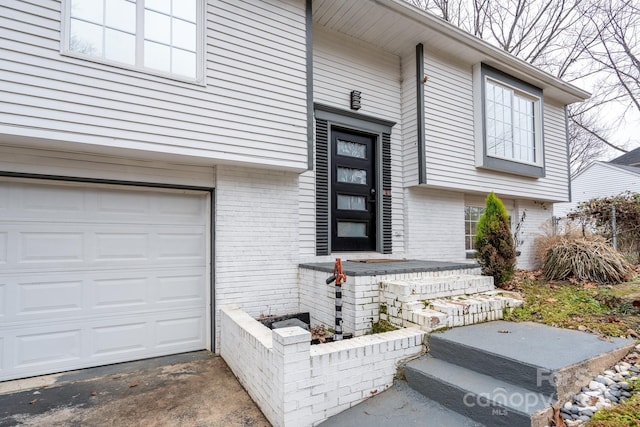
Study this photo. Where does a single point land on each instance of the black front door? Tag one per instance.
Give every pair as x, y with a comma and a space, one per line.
353, 191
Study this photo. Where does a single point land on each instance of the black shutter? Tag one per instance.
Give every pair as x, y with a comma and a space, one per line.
322, 188
387, 246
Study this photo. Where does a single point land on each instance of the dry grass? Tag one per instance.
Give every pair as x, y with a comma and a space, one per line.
586, 260
547, 238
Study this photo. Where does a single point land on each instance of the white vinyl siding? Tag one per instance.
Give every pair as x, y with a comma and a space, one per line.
93, 167
450, 143
599, 179
343, 64
409, 119
251, 110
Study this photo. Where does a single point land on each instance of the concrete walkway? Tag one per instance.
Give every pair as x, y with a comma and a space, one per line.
191, 389
490, 374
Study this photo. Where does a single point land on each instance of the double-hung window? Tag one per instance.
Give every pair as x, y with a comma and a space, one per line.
160, 36
510, 124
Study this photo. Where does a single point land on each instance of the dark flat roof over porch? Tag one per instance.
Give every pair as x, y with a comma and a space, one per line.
380, 267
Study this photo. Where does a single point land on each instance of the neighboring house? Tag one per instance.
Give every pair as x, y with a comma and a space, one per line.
601, 179
632, 158
149, 177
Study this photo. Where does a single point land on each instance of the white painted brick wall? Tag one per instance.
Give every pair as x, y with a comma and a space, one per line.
256, 240
434, 220
538, 217
360, 297
296, 384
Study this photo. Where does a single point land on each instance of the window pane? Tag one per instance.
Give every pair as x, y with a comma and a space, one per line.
184, 34
121, 15
185, 9
157, 27
353, 203
351, 149
352, 176
157, 56
89, 10
120, 46
471, 215
183, 63
85, 38
163, 6
352, 229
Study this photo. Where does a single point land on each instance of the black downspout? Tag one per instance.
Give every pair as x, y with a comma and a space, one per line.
309, 57
420, 114
212, 278
566, 129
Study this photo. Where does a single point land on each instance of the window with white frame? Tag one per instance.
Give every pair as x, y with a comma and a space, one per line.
163, 36
510, 137
472, 215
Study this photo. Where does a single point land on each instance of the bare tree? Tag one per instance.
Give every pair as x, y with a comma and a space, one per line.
586, 136
618, 50
562, 37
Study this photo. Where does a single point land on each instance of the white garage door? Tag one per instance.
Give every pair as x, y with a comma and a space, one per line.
93, 275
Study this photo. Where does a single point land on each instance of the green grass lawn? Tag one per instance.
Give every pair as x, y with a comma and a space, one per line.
604, 310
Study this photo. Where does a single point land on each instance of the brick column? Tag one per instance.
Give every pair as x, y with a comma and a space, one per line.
292, 364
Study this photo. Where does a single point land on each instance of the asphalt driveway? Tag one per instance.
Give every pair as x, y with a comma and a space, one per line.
192, 389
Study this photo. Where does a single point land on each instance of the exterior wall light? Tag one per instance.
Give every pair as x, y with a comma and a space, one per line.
355, 100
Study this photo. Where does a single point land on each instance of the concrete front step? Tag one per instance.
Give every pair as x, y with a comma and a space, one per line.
508, 374
399, 406
480, 397
552, 361
449, 300
430, 315
444, 286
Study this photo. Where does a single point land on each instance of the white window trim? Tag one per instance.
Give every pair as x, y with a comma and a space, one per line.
200, 47
482, 74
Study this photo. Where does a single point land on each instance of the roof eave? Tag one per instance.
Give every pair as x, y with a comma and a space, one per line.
554, 87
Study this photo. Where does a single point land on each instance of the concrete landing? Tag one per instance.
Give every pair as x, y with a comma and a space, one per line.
542, 358
491, 374
398, 407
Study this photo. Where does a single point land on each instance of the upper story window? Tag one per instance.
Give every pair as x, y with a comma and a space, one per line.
160, 35
509, 119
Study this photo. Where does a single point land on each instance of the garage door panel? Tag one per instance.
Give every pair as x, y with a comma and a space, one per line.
180, 246
180, 289
122, 247
3, 301
179, 332
24, 201
93, 276
43, 246
47, 347
4, 247
120, 292
49, 297
81, 246
121, 339
38, 201
60, 346
85, 294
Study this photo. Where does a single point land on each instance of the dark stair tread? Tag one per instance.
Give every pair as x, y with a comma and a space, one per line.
501, 393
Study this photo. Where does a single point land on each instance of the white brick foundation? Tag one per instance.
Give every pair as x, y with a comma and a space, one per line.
297, 384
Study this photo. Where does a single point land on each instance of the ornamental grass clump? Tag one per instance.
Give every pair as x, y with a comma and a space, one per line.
495, 249
586, 260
